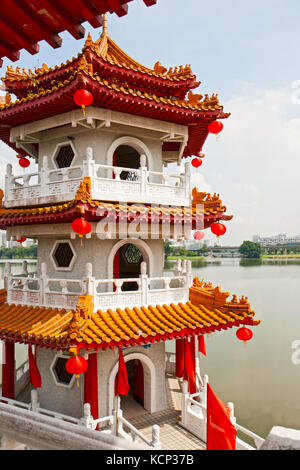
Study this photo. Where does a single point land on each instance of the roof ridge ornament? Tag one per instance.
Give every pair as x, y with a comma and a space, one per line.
104, 27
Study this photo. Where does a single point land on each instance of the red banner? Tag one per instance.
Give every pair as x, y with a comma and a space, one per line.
34, 373
121, 383
221, 433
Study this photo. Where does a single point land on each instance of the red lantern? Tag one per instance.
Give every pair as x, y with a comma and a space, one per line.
215, 127
76, 365
24, 162
218, 229
83, 98
244, 334
22, 240
81, 226
199, 235
196, 162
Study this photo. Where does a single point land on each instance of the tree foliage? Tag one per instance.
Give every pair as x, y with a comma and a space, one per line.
19, 252
250, 249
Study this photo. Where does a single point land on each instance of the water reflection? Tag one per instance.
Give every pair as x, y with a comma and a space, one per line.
251, 262
262, 381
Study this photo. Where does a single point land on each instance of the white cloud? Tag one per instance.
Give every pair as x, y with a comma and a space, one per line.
258, 157
198, 181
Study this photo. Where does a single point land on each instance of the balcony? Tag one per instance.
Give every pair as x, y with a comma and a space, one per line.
108, 183
28, 289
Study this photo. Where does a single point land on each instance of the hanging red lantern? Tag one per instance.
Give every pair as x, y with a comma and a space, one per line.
24, 162
22, 240
196, 162
83, 98
218, 229
244, 334
215, 127
199, 235
81, 227
76, 365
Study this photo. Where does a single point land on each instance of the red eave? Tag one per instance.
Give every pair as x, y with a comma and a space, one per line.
109, 97
25, 23
92, 214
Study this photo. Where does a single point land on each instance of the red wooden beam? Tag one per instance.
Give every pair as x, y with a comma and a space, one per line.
31, 21
149, 3
55, 12
34, 24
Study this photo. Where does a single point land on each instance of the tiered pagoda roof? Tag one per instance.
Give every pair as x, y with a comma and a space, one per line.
207, 311
117, 82
205, 208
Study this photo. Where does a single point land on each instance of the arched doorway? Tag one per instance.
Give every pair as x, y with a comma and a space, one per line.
133, 403
127, 264
127, 157
143, 369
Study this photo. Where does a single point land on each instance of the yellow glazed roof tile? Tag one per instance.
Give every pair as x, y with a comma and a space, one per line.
206, 311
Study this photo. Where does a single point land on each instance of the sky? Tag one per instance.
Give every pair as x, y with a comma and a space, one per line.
247, 52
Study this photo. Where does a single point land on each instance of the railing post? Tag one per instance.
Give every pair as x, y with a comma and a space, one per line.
184, 397
232, 417
25, 268
187, 181
87, 419
89, 167
188, 277
143, 175
115, 414
155, 437
144, 283
8, 181
44, 176
43, 284
89, 282
7, 274
34, 404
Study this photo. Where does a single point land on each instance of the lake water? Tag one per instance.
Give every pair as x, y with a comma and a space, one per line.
262, 380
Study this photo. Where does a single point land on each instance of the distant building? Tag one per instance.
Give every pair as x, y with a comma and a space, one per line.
281, 239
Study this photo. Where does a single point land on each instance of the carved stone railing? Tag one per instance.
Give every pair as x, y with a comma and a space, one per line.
107, 183
194, 417
25, 289
112, 432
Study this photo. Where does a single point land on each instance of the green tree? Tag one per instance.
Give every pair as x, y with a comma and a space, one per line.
250, 249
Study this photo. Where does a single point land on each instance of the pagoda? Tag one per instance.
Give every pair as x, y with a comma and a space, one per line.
96, 293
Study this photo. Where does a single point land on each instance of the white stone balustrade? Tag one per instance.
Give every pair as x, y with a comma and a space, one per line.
25, 289
194, 417
107, 183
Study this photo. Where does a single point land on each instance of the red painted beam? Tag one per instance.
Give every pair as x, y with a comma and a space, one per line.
88, 12
33, 24
55, 12
120, 9
149, 3
32, 21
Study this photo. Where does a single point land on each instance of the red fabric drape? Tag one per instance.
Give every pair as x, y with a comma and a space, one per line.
121, 382
201, 345
34, 373
179, 358
8, 370
138, 381
91, 385
221, 433
114, 162
116, 267
189, 366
